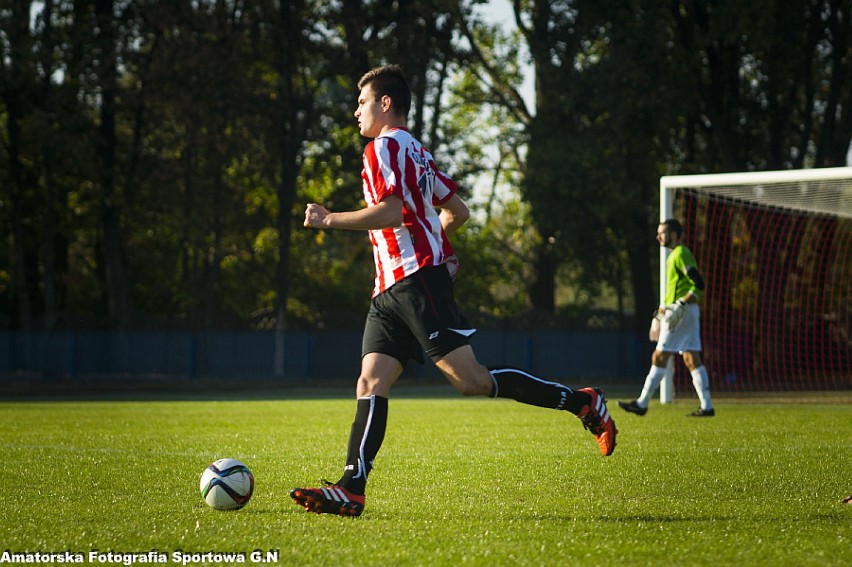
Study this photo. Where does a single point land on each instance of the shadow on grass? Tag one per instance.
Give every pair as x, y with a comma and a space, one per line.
661, 519
235, 390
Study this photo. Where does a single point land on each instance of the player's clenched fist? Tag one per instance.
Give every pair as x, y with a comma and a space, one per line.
315, 215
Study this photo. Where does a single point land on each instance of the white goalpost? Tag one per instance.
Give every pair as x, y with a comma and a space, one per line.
775, 248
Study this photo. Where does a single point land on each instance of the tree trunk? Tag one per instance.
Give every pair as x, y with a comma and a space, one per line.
289, 57
51, 203
542, 289
215, 258
641, 279
116, 286
834, 142
14, 89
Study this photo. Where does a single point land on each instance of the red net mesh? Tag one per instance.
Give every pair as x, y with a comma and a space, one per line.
776, 312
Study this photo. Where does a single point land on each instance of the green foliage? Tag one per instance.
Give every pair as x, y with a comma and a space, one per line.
458, 480
229, 117
494, 263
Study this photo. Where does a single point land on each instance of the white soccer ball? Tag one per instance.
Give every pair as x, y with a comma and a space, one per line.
227, 484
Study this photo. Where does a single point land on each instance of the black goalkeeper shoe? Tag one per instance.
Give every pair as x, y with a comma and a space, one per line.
633, 407
702, 413
330, 499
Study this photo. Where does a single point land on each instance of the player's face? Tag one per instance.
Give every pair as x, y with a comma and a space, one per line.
663, 235
369, 113
667, 237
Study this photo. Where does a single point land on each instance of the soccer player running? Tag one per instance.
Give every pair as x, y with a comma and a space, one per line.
411, 208
680, 329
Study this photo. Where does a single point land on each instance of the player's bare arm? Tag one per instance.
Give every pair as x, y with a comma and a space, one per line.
454, 213
690, 297
386, 214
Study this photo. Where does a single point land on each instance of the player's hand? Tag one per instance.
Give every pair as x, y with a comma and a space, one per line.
654, 331
674, 314
452, 263
315, 216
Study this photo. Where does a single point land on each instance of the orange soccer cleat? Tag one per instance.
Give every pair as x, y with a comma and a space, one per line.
596, 418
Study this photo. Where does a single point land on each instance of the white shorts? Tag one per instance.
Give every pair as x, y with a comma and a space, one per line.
686, 337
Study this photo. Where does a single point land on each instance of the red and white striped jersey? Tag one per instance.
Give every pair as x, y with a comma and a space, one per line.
396, 163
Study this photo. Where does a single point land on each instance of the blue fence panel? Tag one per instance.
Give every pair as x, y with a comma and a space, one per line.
561, 355
39, 352
335, 354
592, 354
135, 353
253, 354
506, 348
228, 354
295, 355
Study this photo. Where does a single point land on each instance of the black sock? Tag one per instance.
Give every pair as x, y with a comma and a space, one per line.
521, 386
365, 439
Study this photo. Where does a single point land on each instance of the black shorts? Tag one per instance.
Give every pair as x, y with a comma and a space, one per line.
414, 315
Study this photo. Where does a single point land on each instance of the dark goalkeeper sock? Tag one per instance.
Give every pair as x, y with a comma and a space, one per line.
365, 439
516, 384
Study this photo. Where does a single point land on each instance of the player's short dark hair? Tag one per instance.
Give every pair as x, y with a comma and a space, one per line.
389, 80
673, 225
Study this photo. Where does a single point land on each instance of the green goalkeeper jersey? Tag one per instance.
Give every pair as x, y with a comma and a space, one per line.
682, 275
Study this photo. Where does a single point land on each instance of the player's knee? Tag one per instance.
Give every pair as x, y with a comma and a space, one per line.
370, 385
659, 358
692, 360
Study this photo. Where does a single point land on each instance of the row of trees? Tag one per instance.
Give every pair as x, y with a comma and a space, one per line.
157, 156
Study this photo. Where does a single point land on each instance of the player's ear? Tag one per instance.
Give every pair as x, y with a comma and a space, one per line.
387, 103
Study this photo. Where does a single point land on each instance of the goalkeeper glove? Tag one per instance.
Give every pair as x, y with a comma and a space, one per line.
675, 313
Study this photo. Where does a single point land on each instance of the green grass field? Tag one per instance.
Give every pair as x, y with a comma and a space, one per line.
458, 481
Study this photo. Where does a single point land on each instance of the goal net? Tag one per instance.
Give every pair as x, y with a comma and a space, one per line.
775, 249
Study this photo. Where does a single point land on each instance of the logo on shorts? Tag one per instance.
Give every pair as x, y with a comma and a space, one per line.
434, 335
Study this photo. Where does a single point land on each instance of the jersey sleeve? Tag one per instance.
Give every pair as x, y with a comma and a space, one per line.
688, 274
444, 189
381, 169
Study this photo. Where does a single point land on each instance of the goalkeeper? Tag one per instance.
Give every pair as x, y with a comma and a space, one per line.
676, 326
